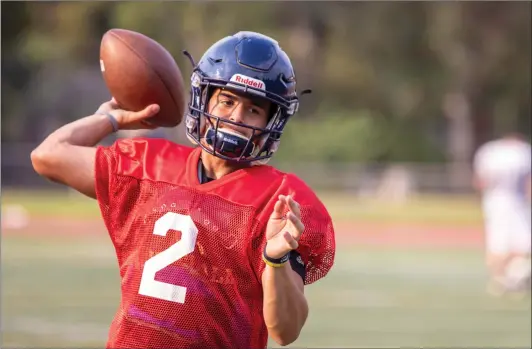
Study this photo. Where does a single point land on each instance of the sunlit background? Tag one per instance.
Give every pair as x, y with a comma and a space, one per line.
404, 93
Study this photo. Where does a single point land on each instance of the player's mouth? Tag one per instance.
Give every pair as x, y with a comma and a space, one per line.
228, 142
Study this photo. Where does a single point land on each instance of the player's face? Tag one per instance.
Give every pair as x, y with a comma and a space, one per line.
235, 107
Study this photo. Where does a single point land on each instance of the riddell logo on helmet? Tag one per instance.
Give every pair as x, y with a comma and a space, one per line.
246, 80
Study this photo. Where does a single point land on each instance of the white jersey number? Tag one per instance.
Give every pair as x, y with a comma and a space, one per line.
189, 232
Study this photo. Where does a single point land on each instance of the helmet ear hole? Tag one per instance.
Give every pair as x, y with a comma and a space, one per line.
274, 109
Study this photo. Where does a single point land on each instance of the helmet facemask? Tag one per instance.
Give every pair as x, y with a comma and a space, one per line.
210, 131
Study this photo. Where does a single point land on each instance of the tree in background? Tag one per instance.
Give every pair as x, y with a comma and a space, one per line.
392, 81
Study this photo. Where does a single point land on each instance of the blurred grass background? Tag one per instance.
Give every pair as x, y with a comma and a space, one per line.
61, 290
423, 208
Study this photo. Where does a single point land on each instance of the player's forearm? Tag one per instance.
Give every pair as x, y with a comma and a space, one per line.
67, 155
85, 132
285, 307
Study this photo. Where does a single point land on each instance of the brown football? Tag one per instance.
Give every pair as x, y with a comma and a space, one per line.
138, 71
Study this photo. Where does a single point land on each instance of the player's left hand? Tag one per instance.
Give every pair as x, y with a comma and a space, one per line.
283, 232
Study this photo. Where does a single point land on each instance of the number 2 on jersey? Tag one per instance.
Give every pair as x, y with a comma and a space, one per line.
189, 233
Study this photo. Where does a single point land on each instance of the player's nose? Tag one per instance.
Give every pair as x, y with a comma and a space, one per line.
238, 113
239, 116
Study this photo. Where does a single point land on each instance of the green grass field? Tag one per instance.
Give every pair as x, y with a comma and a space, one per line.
463, 210
62, 291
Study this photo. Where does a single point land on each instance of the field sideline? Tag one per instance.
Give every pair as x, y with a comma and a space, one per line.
397, 281
343, 207
426, 221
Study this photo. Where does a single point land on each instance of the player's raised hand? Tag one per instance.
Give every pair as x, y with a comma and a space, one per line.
283, 231
129, 120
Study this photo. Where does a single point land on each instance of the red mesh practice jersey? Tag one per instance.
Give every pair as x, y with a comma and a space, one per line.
190, 253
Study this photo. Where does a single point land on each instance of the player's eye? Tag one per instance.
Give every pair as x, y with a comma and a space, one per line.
227, 102
258, 110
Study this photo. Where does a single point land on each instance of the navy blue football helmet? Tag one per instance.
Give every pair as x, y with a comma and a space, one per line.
249, 63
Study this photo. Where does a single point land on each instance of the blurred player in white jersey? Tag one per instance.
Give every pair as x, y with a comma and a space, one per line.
502, 174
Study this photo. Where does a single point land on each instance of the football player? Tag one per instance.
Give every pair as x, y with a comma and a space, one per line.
214, 246
502, 174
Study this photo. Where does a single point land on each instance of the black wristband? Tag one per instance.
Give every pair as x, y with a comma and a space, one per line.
275, 262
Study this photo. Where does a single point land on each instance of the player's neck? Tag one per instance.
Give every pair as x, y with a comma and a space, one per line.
216, 168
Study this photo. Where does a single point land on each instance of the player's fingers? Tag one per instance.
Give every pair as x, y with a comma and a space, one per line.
292, 243
131, 117
298, 225
145, 113
114, 103
278, 210
148, 125
149, 111
294, 206
139, 118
